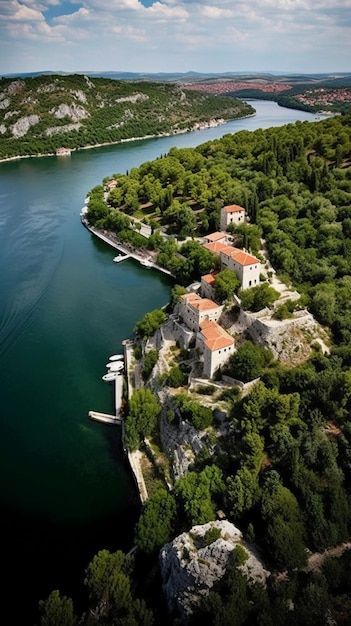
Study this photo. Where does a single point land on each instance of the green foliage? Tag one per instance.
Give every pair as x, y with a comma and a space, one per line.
156, 522
151, 321
249, 361
176, 378
206, 390
284, 311
109, 584
57, 610
211, 535
150, 360
106, 578
141, 420
105, 111
200, 416
200, 261
137, 352
240, 555
284, 528
197, 493
176, 292
257, 298
226, 284
242, 493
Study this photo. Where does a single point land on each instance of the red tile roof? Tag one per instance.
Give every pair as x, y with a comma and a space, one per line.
233, 208
198, 303
204, 304
215, 337
216, 247
240, 256
216, 236
209, 278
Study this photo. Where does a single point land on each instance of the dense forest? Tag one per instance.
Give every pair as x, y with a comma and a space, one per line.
282, 470
41, 114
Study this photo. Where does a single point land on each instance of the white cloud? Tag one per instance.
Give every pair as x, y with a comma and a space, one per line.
179, 35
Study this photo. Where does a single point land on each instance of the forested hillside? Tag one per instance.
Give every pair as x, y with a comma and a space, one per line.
279, 463
40, 114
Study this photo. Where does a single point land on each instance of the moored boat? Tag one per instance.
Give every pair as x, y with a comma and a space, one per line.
110, 376
116, 357
115, 366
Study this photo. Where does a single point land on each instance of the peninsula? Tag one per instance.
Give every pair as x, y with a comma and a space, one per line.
238, 413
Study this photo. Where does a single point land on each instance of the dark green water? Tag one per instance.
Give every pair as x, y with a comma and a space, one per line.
64, 308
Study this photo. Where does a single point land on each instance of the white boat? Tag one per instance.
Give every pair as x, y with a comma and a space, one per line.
115, 366
146, 263
116, 357
110, 376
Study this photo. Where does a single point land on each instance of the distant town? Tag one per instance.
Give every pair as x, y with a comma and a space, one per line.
315, 97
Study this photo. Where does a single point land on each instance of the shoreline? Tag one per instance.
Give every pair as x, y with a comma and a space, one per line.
129, 252
114, 143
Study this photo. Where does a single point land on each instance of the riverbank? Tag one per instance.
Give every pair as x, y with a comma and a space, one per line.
96, 145
121, 141
144, 258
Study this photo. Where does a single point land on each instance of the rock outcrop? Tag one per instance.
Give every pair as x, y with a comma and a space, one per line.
190, 568
73, 110
21, 127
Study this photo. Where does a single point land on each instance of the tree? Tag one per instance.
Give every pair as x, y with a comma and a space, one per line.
226, 284
284, 527
201, 260
248, 361
197, 493
156, 522
150, 360
256, 298
176, 378
176, 292
141, 420
57, 610
313, 606
109, 585
200, 416
242, 492
150, 323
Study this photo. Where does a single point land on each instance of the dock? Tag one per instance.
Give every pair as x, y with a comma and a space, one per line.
121, 257
105, 418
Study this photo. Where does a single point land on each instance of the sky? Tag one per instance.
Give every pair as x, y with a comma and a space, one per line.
215, 36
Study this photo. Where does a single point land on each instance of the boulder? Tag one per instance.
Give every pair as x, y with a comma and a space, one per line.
190, 568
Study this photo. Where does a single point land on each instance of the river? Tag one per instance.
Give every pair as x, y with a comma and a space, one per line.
66, 491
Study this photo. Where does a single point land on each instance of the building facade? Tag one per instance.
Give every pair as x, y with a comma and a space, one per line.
193, 310
232, 214
246, 266
215, 344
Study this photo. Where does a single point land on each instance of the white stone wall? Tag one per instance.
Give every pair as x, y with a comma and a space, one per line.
193, 317
234, 217
249, 275
213, 359
207, 291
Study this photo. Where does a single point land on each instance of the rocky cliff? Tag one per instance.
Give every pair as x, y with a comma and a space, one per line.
190, 568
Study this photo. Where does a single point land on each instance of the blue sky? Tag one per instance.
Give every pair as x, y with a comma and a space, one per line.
294, 36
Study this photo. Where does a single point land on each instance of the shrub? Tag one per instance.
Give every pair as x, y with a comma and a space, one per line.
211, 535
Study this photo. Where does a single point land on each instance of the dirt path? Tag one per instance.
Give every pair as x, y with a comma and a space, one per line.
316, 560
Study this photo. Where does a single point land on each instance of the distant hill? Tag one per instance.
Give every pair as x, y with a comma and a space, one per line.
192, 76
41, 113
